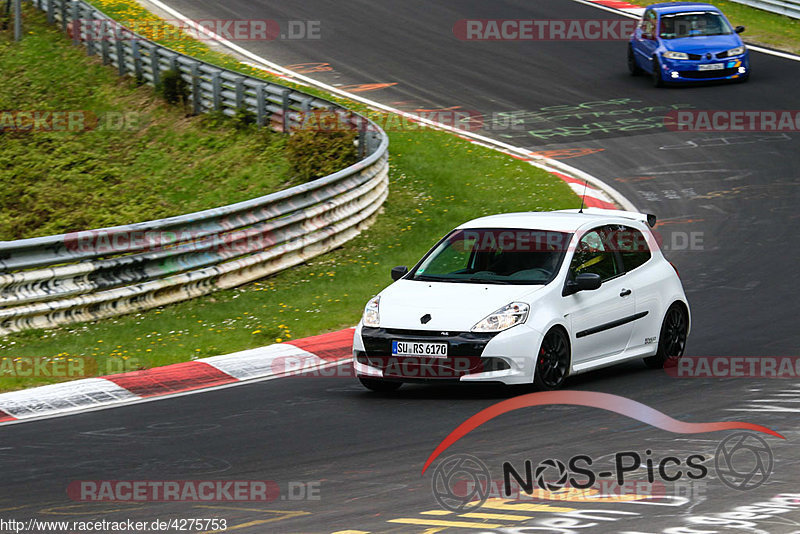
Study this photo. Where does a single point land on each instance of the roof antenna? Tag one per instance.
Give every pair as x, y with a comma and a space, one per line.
583, 197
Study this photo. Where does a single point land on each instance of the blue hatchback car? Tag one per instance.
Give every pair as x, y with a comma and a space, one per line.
686, 42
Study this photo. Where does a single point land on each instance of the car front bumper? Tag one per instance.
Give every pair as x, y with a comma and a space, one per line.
679, 70
506, 357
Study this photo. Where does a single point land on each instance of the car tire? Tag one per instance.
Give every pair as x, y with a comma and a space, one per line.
633, 67
658, 81
378, 385
672, 338
552, 361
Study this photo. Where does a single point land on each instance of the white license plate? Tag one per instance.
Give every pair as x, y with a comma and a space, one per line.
711, 66
414, 348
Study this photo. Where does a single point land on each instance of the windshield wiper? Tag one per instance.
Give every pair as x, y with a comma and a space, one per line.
426, 278
476, 280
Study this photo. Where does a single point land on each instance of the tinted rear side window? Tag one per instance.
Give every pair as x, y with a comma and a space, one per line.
632, 246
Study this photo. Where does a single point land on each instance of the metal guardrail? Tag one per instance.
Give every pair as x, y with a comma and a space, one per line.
94, 274
790, 8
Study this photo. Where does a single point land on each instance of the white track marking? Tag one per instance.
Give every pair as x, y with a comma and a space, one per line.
272, 360
538, 161
64, 398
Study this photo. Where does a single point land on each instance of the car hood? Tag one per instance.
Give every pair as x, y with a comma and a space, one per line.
703, 44
452, 306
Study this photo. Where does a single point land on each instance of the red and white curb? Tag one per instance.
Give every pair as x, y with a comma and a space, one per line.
626, 7
592, 197
263, 363
272, 361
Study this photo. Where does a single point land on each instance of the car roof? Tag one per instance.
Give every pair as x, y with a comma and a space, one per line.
568, 221
679, 7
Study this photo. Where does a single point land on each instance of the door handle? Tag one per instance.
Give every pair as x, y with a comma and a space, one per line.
624, 292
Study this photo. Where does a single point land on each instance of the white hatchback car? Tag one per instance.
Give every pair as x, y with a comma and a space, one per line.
526, 298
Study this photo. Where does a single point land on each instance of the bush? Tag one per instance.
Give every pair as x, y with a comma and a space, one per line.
243, 119
317, 153
174, 88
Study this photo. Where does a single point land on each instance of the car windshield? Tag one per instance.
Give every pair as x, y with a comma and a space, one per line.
694, 25
495, 256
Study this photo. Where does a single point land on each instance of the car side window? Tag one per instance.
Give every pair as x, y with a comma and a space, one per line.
594, 255
649, 23
632, 246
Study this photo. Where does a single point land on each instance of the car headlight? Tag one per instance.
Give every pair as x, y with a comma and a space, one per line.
504, 318
738, 51
676, 55
372, 316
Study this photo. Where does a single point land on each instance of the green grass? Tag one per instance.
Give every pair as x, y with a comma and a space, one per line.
763, 27
162, 163
437, 181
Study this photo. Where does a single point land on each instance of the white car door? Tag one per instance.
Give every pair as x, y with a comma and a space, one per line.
602, 319
645, 279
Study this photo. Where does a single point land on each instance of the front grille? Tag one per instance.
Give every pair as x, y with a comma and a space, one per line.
722, 55
378, 341
426, 368
464, 351
695, 57
706, 74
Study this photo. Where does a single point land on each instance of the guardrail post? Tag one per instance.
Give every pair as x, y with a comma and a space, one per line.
239, 93
76, 24
216, 88
155, 64
104, 45
287, 126
137, 60
91, 48
17, 9
50, 14
197, 104
119, 44
362, 139
261, 106
64, 21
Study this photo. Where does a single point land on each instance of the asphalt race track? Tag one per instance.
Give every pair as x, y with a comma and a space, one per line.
735, 194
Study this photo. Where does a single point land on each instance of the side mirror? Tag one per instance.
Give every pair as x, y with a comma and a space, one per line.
583, 282
588, 281
399, 272
739, 29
